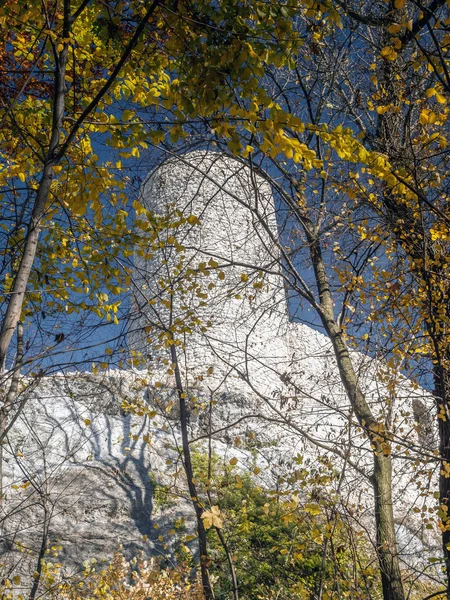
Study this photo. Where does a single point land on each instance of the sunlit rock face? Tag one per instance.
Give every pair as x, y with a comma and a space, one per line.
267, 391
85, 477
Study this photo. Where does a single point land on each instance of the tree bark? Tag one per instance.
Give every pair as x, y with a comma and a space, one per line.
442, 395
187, 462
382, 464
234, 580
9, 400
17, 295
386, 539
41, 556
14, 308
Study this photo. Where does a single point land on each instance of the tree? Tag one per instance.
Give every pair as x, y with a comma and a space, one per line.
279, 538
286, 89
175, 273
406, 44
75, 80
402, 115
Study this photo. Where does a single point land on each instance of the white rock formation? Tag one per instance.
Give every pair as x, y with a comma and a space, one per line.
94, 476
250, 342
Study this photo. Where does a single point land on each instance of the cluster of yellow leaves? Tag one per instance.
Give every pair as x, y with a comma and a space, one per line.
198, 79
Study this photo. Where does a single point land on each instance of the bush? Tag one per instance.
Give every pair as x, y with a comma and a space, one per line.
137, 579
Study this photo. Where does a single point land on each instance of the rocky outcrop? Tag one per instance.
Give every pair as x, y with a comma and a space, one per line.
89, 475
94, 461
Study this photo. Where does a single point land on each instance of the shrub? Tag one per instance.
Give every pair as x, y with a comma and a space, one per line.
137, 579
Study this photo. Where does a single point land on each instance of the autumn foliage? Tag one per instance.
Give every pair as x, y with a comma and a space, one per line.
122, 579
342, 107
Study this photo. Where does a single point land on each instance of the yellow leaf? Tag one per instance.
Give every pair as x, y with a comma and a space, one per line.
427, 117
394, 28
312, 509
233, 461
22, 177
87, 422
388, 53
399, 4
156, 136
212, 518
193, 220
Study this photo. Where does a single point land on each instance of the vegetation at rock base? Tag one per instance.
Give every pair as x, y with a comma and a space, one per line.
278, 537
137, 579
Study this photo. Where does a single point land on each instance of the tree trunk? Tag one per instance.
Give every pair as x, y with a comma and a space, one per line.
14, 308
41, 556
9, 400
382, 464
386, 539
382, 474
442, 394
202, 542
17, 295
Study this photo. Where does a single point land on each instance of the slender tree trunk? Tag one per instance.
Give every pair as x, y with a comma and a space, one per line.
41, 556
234, 580
442, 394
220, 535
382, 465
187, 462
2, 429
386, 538
382, 475
9, 400
414, 240
17, 295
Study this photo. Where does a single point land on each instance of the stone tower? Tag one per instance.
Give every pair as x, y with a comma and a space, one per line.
226, 281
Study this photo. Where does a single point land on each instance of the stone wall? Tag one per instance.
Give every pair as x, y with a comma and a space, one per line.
245, 311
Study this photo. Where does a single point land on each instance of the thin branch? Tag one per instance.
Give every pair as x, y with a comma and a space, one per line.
93, 104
